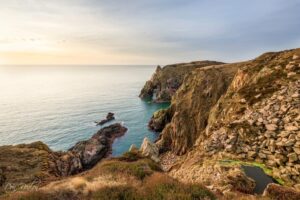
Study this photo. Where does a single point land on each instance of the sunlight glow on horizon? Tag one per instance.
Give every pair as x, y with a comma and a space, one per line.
144, 32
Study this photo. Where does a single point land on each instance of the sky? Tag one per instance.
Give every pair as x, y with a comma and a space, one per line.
144, 31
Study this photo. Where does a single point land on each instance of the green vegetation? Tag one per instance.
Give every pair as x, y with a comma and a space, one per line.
139, 169
130, 156
268, 171
159, 187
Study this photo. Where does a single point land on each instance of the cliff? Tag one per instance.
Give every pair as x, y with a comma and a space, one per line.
35, 164
192, 103
230, 115
165, 81
129, 177
225, 122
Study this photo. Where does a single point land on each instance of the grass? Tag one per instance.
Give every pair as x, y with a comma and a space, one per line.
130, 156
139, 169
158, 187
267, 170
130, 164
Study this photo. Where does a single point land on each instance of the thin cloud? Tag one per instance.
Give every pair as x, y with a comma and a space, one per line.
145, 32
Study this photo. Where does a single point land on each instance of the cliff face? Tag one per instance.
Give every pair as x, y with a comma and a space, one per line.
259, 116
191, 105
165, 81
250, 113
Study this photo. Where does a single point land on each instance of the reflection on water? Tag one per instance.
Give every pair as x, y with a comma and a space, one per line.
258, 175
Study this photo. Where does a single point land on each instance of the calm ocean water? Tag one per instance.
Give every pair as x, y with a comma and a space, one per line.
59, 104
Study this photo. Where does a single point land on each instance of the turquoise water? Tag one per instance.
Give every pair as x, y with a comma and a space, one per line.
59, 104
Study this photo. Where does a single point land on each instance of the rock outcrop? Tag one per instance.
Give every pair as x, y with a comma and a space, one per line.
192, 103
247, 111
36, 163
99, 146
259, 116
160, 119
109, 117
165, 81
149, 149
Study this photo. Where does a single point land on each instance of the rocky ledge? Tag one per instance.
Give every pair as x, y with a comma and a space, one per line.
36, 164
165, 81
99, 146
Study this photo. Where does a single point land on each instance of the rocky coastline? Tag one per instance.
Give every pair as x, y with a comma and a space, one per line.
165, 81
245, 112
223, 118
37, 164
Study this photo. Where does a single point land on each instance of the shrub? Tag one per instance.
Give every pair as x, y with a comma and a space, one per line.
139, 169
116, 192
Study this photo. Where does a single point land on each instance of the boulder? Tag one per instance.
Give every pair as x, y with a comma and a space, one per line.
295, 57
271, 127
150, 150
292, 157
291, 128
133, 148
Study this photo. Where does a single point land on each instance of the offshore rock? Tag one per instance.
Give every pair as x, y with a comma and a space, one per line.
109, 117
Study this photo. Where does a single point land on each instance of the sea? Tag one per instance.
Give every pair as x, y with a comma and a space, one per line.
59, 105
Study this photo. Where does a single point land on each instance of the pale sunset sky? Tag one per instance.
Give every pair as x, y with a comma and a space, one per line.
144, 31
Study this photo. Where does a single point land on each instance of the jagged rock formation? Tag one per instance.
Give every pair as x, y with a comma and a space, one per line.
98, 147
160, 119
250, 113
109, 117
149, 149
165, 81
36, 164
192, 103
